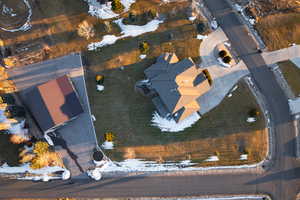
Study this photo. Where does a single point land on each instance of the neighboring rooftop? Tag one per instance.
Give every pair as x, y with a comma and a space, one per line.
178, 85
79, 134
53, 103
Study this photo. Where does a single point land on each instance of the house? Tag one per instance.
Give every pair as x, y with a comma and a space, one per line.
53, 103
176, 86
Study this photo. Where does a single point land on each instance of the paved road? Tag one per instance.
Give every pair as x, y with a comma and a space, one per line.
281, 181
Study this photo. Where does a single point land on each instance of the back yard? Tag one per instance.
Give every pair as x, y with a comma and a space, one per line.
223, 132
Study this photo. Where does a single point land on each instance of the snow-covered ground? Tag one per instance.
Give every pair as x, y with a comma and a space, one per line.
43, 174
26, 26
201, 37
143, 56
212, 159
17, 128
241, 10
126, 31
244, 157
222, 63
139, 165
169, 125
104, 11
107, 145
251, 120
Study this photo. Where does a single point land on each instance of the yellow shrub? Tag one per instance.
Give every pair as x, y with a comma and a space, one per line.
17, 139
27, 158
41, 147
46, 159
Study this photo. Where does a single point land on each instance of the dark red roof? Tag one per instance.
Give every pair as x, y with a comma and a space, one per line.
53, 103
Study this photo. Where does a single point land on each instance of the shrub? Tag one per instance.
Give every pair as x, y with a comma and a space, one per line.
201, 27
117, 6
144, 47
227, 59
7, 98
15, 111
222, 53
46, 159
40, 147
253, 113
86, 30
99, 79
17, 139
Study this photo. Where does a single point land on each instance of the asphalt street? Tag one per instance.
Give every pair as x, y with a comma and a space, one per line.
281, 181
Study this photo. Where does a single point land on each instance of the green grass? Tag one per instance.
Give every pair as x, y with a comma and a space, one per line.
291, 74
119, 109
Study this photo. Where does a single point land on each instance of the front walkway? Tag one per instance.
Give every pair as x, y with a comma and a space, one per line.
224, 79
77, 138
289, 53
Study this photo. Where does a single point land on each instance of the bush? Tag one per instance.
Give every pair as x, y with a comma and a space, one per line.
99, 79
144, 47
227, 59
7, 98
222, 53
86, 30
201, 27
15, 111
253, 113
40, 147
117, 6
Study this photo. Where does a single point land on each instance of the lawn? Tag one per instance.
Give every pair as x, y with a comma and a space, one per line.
223, 131
280, 30
291, 74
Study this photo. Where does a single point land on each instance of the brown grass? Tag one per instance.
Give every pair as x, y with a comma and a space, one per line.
291, 74
280, 30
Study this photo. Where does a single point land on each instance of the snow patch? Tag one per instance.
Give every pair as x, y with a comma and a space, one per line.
251, 119
170, 125
100, 88
48, 139
127, 31
212, 159
41, 174
95, 174
104, 11
93, 118
201, 37
244, 157
26, 26
107, 40
214, 24
229, 95
107, 145
223, 64
192, 18
143, 56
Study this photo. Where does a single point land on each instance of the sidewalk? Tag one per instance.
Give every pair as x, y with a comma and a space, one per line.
79, 134
289, 53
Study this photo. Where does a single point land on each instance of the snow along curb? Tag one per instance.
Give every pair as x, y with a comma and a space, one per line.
211, 197
26, 26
